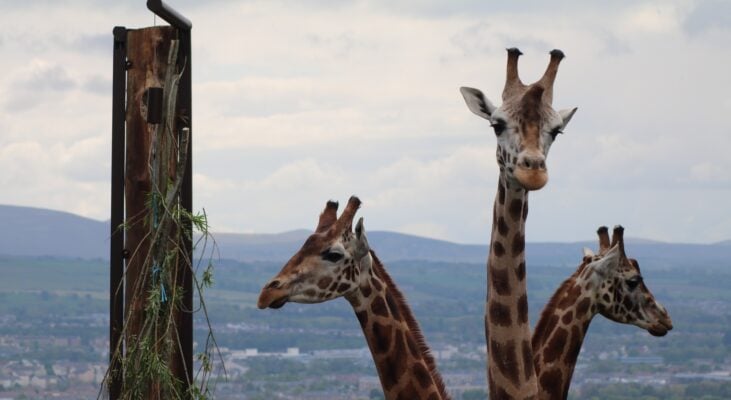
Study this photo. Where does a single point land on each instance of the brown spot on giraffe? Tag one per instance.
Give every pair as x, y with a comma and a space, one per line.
516, 209
395, 360
527, 355
408, 393
393, 306
378, 307
502, 226
422, 376
548, 380
498, 249
555, 347
324, 282
500, 314
568, 317
362, 318
520, 271
413, 348
505, 357
500, 280
574, 345
382, 335
518, 244
523, 309
583, 306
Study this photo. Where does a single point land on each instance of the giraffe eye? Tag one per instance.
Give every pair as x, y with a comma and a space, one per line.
329, 255
499, 126
633, 282
555, 132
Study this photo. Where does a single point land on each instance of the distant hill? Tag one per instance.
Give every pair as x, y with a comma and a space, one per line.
41, 232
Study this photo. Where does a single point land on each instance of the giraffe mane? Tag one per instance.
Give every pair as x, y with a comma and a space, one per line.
411, 322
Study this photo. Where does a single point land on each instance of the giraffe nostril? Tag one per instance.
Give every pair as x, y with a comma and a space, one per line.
273, 284
542, 164
526, 163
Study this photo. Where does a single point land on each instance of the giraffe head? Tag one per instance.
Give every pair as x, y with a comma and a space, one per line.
329, 264
525, 124
621, 294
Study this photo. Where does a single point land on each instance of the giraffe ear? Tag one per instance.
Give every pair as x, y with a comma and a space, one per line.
607, 263
361, 241
588, 252
566, 115
477, 102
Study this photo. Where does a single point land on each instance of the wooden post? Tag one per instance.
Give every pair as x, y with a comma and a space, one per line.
151, 297
147, 51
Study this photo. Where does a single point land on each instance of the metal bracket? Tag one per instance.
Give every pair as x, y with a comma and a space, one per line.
165, 12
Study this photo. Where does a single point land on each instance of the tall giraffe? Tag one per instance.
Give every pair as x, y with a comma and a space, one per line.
334, 262
525, 125
609, 284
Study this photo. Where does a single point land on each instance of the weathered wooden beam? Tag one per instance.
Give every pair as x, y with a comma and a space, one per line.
147, 51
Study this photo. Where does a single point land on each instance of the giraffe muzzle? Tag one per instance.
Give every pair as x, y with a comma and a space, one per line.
531, 178
662, 327
272, 297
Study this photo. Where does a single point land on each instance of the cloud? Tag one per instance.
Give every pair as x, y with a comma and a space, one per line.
37, 177
41, 80
653, 18
708, 15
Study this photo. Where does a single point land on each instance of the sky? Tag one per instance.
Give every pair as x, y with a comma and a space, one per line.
298, 102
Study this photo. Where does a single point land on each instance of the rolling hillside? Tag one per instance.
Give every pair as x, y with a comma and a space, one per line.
39, 232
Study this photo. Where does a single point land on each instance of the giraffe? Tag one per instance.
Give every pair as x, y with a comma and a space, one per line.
525, 125
335, 262
609, 284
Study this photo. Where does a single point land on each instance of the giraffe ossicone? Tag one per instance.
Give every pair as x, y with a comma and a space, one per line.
337, 261
608, 283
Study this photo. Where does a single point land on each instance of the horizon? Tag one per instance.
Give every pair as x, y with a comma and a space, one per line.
629, 239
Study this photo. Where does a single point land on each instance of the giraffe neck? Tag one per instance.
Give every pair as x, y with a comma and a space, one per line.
404, 363
559, 334
510, 357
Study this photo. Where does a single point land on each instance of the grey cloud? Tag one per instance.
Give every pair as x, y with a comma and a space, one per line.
25, 94
98, 85
441, 8
53, 78
533, 44
93, 42
342, 45
707, 15
613, 45
474, 40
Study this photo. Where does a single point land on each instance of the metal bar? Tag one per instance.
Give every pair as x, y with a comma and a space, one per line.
186, 198
168, 14
116, 247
